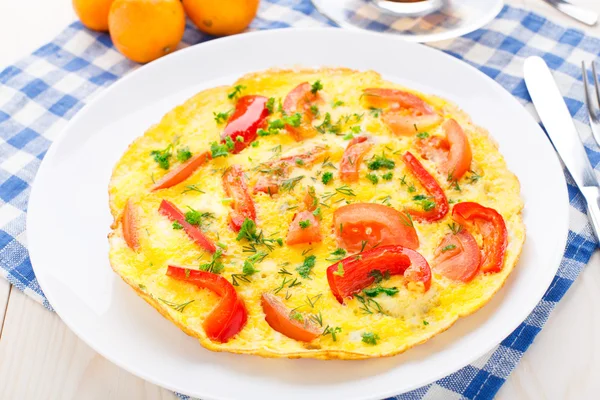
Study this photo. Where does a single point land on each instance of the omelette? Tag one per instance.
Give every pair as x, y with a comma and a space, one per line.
319, 213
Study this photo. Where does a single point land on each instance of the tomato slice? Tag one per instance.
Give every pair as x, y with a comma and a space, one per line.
310, 234
242, 205
310, 200
433, 188
363, 226
229, 316
278, 316
170, 211
182, 172
353, 155
357, 270
250, 114
404, 112
452, 153
300, 99
492, 228
457, 257
130, 226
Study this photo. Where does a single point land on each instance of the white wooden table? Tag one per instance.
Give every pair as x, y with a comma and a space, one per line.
41, 358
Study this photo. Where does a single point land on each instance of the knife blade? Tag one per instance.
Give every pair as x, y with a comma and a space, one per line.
576, 12
557, 120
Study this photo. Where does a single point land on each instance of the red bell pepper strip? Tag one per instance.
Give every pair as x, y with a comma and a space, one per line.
229, 316
250, 114
182, 172
492, 228
242, 205
356, 272
129, 223
280, 318
170, 211
353, 155
433, 188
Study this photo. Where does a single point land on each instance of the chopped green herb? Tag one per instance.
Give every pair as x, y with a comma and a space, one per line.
177, 225
348, 136
376, 112
337, 254
314, 109
215, 265
222, 117
327, 177
373, 178
454, 227
388, 176
237, 90
175, 306
316, 86
356, 129
448, 248
304, 224
377, 290
192, 188
379, 276
340, 270
271, 105
307, 266
162, 157
254, 144
425, 323
423, 135
294, 120
337, 103
196, 218
299, 161
370, 338
333, 331
184, 154
380, 162
317, 213
289, 184
474, 178
295, 315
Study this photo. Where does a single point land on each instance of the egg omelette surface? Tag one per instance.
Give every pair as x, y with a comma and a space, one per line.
392, 313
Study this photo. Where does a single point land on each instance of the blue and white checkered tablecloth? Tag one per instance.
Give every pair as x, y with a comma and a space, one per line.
41, 92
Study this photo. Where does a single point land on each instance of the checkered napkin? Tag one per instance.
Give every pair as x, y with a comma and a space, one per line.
41, 92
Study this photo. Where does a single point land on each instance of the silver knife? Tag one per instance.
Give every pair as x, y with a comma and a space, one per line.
579, 13
556, 118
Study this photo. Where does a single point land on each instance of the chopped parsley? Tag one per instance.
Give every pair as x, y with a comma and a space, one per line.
340, 270
162, 157
196, 218
348, 136
454, 227
215, 265
271, 105
304, 224
373, 178
377, 290
376, 112
222, 149
237, 90
328, 126
249, 264
247, 230
184, 154
293, 120
425, 323
370, 338
337, 254
423, 135
380, 162
222, 117
317, 213
307, 266
448, 248
314, 109
177, 225
388, 176
327, 177
379, 276
337, 103
295, 315
425, 202
316, 86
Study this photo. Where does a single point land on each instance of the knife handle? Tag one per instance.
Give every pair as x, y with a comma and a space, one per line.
592, 196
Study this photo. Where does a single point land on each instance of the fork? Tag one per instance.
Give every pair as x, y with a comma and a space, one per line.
591, 105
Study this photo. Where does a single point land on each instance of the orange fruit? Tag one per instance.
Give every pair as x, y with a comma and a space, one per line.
144, 30
93, 13
221, 17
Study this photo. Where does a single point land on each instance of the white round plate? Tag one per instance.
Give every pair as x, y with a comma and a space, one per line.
455, 17
69, 219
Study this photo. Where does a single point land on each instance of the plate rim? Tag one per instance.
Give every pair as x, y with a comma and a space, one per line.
31, 222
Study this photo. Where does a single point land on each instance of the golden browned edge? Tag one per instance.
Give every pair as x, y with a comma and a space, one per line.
316, 354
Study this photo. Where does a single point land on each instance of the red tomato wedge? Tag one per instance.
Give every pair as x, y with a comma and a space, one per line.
229, 316
433, 188
357, 270
404, 112
353, 155
492, 228
170, 211
182, 172
457, 257
310, 200
278, 316
130, 226
299, 100
363, 226
452, 153
250, 114
310, 234
242, 205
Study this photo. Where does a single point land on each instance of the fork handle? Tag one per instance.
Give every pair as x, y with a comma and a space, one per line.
581, 14
592, 196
